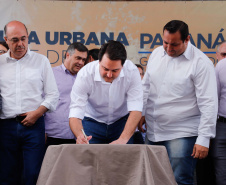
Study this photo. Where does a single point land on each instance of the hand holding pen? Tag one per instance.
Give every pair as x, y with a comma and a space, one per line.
82, 138
85, 135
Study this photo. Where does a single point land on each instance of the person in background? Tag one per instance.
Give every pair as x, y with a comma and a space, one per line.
205, 173
139, 136
3, 47
93, 55
141, 70
57, 122
221, 51
25, 77
218, 144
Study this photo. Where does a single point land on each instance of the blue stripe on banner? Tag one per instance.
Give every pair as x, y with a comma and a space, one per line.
149, 52
144, 52
209, 52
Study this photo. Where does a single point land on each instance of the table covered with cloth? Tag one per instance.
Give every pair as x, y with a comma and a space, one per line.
104, 164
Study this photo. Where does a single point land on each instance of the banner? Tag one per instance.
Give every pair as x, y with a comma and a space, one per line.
53, 25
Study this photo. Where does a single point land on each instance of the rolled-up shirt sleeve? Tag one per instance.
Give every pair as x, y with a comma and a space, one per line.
79, 97
135, 93
51, 93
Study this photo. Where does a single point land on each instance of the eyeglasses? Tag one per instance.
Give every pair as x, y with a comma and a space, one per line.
15, 40
3, 51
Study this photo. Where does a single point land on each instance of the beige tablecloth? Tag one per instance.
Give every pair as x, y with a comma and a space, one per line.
106, 165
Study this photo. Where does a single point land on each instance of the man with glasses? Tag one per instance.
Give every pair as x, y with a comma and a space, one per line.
57, 122
25, 77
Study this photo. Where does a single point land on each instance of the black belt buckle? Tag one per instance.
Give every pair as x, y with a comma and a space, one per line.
20, 118
222, 119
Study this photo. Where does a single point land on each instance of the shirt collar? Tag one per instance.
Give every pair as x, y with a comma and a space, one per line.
66, 70
9, 58
98, 77
187, 54
164, 52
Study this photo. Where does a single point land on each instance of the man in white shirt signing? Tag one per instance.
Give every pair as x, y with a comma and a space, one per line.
106, 99
180, 100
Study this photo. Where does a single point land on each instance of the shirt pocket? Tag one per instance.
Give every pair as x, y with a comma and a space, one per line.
32, 75
33, 80
181, 86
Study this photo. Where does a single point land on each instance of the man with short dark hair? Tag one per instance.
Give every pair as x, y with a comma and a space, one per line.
57, 122
104, 93
93, 55
141, 70
25, 77
180, 100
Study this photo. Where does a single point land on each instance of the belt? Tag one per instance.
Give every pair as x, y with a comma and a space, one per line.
221, 119
17, 119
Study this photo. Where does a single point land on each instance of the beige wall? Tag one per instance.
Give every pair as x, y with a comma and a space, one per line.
127, 21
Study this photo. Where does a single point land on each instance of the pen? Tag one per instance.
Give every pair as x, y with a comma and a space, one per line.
85, 135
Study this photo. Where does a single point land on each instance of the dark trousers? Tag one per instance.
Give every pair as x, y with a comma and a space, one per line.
59, 141
21, 152
138, 138
102, 133
205, 171
218, 153
212, 170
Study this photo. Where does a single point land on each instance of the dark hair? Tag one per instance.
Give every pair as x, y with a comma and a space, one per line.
4, 44
94, 53
5, 28
78, 46
176, 25
115, 51
140, 66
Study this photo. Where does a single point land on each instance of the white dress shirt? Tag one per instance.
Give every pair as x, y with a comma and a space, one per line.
106, 102
24, 82
180, 96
